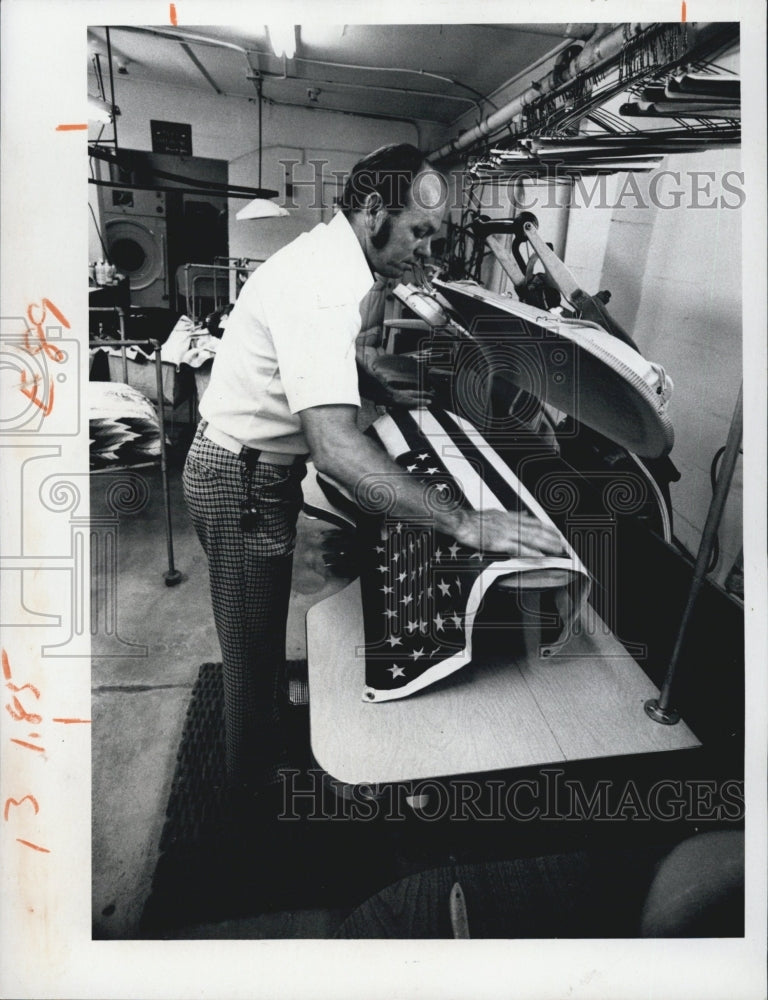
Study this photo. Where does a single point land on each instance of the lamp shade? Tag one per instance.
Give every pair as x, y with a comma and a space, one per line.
100, 110
261, 208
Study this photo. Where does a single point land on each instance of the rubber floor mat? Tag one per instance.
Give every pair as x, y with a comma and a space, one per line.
214, 865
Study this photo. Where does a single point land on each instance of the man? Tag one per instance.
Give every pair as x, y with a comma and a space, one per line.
284, 386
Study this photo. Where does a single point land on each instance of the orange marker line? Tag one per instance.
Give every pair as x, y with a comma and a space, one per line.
30, 746
70, 721
24, 687
72, 128
34, 847
174, 19
683, 13
18, 802
6, 665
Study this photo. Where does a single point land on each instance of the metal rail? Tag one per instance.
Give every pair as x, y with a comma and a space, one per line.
172, 576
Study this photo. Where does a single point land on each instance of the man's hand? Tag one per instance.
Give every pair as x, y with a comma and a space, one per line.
512, 534
409, 398
342, 452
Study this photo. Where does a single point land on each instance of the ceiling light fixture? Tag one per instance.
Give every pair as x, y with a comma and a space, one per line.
282, 38
260, 208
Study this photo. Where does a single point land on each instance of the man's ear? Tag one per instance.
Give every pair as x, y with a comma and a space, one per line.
374, 213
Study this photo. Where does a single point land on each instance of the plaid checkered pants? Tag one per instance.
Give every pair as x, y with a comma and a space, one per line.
250, 575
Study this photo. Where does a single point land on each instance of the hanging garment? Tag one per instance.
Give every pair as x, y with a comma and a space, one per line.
421, 590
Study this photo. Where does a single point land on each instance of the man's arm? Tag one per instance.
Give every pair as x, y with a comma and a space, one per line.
342, 452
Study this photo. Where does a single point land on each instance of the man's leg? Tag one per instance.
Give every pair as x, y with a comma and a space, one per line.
250, 575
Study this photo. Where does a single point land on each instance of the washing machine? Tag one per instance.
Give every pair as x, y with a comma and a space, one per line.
135, 231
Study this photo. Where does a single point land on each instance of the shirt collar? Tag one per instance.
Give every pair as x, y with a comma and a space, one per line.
351, 260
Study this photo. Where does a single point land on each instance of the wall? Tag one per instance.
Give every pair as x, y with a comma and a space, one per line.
334, 141
225, 127
675, 274
222, 127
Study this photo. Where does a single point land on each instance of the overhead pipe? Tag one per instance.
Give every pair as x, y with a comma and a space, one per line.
185, 36
413, 122
199, 66
401, 91
553, 30
594, 54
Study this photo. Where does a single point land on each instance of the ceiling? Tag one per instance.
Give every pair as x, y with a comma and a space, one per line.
429, 72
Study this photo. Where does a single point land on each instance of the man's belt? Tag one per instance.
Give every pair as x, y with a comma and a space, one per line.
250, 455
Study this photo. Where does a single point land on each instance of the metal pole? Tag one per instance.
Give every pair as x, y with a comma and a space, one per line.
121, 315
659, 708
172, 576
112, 87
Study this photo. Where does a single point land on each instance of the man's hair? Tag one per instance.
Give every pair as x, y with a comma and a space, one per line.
387, 172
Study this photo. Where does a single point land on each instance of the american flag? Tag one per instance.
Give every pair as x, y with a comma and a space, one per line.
421, 590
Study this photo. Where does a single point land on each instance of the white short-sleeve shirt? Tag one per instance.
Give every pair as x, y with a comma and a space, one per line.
289, 343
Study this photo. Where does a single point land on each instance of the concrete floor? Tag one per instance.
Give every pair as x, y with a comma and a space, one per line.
140, 702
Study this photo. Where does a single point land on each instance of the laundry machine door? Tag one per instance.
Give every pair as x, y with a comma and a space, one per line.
138, 248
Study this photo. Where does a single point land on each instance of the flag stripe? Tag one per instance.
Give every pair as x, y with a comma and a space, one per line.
401, 435
500, 485
465, 473
410, 426
391, 436
498, 462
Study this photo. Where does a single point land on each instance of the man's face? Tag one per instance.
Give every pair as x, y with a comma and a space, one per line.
405, 238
